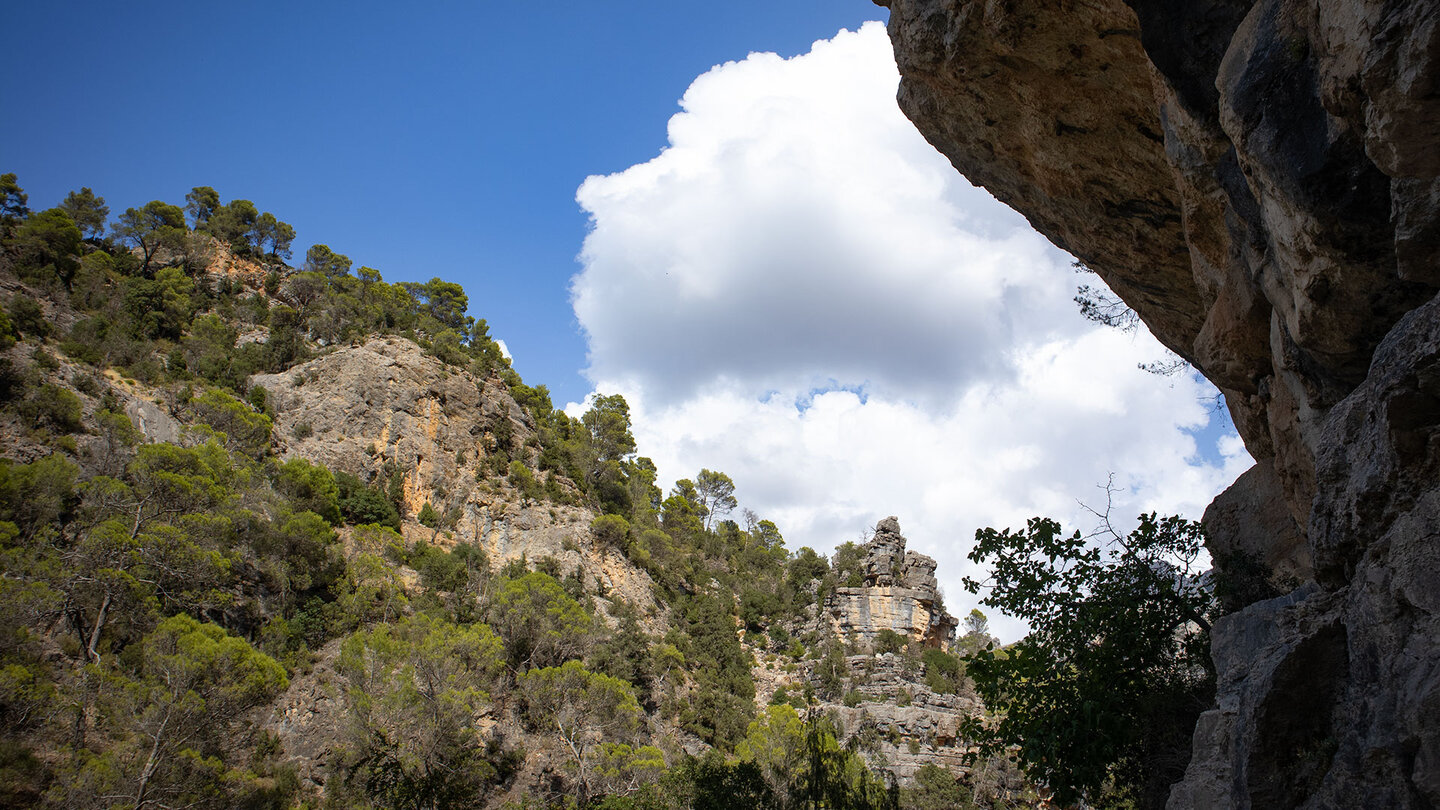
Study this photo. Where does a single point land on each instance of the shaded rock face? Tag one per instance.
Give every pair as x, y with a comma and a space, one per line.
1251, 519
1260, 181
900, 594
889, 712
893, 717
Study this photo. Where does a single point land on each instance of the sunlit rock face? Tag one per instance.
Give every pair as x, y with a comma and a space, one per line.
1260, 182
899, 594
911, 724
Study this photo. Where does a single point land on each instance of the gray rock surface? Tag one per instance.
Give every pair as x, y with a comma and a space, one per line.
154, 422
1250, 518
900, 594
931, 721
387, 406
358, 409
1260, 181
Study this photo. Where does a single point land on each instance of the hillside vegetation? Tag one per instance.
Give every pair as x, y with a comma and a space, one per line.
219, 591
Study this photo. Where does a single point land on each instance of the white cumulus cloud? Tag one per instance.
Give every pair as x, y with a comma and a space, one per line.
801, 292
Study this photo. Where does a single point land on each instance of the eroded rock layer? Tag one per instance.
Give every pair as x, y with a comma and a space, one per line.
900, 595
1260, 182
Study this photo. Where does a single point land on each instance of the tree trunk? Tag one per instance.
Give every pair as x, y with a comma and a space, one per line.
151, 764
95, 633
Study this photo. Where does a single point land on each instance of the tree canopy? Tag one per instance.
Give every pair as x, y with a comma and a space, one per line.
1102, 694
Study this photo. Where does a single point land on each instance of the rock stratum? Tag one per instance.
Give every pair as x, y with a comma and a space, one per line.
900, 594
1259, 181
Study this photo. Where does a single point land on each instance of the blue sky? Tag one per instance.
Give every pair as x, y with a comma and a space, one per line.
422, 139
714, 209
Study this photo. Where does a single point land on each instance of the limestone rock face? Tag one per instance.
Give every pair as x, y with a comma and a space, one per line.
1268, 210
891, 713
931, 719
1260, 181
386, 407
900, 594
1250, 518
359, 408
908, 723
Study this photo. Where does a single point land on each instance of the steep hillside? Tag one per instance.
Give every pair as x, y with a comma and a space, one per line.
281, 536
386, 411
1257, 180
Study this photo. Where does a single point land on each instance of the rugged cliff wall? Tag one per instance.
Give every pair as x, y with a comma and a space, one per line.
1260, 182
387, 408
900, 594
907, 724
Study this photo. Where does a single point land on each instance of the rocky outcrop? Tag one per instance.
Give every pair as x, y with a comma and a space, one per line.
905, 724
361, 408
1250, 520
900, 594
1260, 181
387, 409
886, 707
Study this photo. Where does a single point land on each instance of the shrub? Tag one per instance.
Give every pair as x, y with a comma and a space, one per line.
943, 671
246, 431
7, 331
889, 641
260, 400
54, 406
44, 360
611, 530
28, 318
85, 384
310, 487
522, 479
438, 569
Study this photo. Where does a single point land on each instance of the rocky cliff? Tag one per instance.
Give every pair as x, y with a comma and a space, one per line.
899, 595
386, 408
1260, 182
889, 707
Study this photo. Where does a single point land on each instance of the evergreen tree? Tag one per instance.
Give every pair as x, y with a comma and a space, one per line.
152, 227
88, 211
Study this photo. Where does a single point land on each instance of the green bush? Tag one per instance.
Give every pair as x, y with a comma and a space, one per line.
8, 334
611, 530
936, 789
54, 406
45, 361
246, 431
27, 318
889, 641
310, 487
360, 504
522, 479
943, 671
